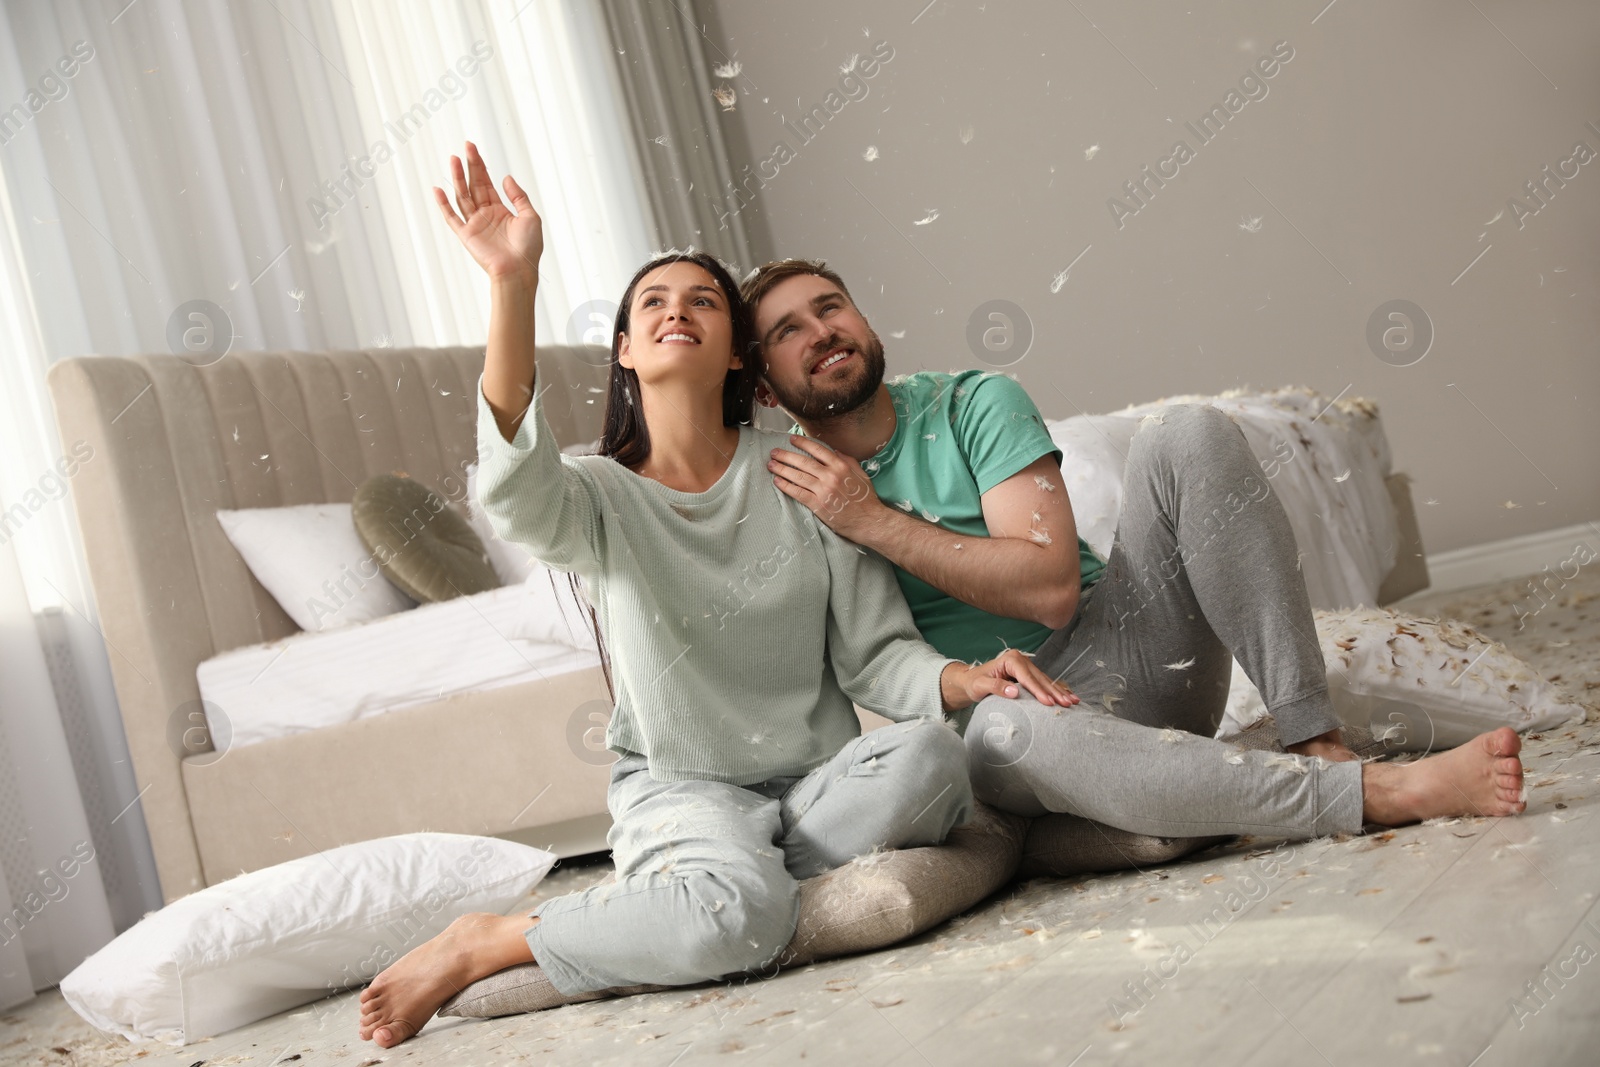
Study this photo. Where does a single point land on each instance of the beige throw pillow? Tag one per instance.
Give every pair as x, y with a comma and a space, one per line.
420, 543
867, 904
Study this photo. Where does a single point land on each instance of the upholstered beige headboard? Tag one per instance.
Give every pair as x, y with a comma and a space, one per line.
173, 443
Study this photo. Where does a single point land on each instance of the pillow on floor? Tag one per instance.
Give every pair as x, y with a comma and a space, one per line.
1418, 684
873, 902
886, 897
285, 935
1060, 846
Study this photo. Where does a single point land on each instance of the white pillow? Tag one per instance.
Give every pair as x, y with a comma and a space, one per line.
553, 614
270, 940
1418, 684
510, 560
312, 561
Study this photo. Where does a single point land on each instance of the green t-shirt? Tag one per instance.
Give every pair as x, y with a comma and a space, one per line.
956, 437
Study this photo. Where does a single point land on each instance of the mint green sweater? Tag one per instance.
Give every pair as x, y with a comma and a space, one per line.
740, 627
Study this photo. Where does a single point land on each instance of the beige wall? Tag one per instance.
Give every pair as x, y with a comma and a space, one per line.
1374, 162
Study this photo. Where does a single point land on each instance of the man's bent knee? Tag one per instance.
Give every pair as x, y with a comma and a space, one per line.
1185, 433
998, 743
1000, 734
1189, 427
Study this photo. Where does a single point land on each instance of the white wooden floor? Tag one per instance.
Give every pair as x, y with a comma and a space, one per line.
1412, 946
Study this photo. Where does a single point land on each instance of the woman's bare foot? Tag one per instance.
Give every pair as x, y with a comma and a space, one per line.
1481, 777
406, 994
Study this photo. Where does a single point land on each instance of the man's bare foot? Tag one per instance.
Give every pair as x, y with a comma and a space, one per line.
402, 998
1481, 777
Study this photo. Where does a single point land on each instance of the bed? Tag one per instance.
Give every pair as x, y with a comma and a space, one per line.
514, 756
172, 444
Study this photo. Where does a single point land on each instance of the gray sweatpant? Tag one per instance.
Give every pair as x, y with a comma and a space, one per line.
1204, 563
708, 873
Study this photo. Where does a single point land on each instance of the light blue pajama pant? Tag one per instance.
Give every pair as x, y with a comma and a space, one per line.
707, 872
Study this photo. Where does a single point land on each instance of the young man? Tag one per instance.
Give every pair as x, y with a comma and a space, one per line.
955, 480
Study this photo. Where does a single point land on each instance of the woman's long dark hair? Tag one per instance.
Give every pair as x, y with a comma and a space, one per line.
625, 436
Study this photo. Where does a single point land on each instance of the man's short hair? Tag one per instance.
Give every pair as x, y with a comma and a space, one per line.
761, 281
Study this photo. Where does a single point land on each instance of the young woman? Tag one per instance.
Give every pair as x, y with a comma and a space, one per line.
740, 630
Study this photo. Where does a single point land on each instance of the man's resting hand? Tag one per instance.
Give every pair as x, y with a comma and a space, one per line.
1006, 675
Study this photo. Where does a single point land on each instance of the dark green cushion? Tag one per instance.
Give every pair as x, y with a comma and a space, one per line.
419, 542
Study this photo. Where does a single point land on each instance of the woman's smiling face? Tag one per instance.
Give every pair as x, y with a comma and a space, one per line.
679, 327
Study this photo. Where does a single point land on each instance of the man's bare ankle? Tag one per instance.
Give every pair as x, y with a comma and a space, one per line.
1382, 798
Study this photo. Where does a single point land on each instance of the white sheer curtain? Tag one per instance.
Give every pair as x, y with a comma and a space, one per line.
63, 887
544, 107
229, 152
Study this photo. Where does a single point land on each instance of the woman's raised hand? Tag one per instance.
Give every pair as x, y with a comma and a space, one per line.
504, 244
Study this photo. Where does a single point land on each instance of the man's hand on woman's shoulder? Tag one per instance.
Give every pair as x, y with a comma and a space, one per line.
831, 484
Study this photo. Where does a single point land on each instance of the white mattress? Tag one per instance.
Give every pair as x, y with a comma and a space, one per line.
310, 680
